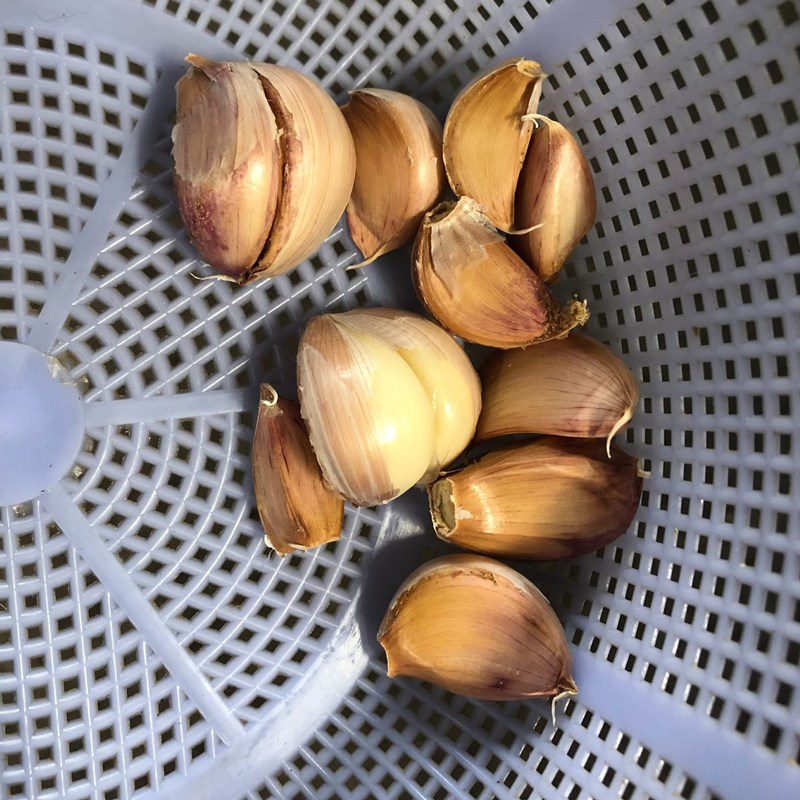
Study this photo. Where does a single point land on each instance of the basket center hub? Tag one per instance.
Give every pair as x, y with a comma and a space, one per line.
41, 423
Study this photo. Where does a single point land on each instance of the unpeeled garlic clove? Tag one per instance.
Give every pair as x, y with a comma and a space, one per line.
478, 287
227, 163
556, 189
264, 165
369, 419
386, 396
486, 136
568, 387
553, 498
443, 369
399, 170
298, 511
477, 628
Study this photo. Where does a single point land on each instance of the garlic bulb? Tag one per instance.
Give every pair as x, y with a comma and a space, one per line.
478, 287
486, 136
399, 171
298, 511
477, 628
556, 189
569, 387
554, 498
264, 165
388, 398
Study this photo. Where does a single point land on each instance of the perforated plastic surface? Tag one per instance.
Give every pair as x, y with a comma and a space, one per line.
149, 647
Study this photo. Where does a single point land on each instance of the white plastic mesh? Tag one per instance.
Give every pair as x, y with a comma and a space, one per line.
259, 677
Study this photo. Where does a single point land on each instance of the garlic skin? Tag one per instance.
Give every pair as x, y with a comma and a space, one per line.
399, 169
555, 188
478, 287
264, 165
297, 510
553, 498
443, 369
388, 398
369, 418
486, 136
477, 628
568, 387
227, 163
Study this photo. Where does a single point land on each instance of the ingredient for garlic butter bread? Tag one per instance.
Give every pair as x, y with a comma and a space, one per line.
478, 287
556, 194
486, 137
553, 498
399, 170
264, 165
568, 387
298, 511
478, 628
389, 398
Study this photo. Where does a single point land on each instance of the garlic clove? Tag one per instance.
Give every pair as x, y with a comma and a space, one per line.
399, 170
319, 166
555, 188
486, 136
443, 369
477, 628
554, 498
568, 387
370, 421
298, 511
478, 287
227, 163
264, 165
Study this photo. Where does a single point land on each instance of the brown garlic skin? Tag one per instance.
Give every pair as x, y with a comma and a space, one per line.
555, 189
297, 509
553, 498
478, 287
477, 628
399, 169
567, 387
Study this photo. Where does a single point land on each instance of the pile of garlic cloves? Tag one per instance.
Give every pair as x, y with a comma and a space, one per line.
265, 164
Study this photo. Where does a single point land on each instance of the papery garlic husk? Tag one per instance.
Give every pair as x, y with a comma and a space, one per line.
443, 369
386, 396
297, 509
568, 387
264, 165
477, 628
486, 136
399, 170
553, 498
555, 188
479, 288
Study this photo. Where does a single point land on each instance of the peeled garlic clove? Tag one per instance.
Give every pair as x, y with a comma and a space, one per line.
319, 167
477, 628
264, 165
555, 188
486, 136
227, 163
369, 418
569, 387
399, 170
478, 287
554, 498
298, 511
443, 369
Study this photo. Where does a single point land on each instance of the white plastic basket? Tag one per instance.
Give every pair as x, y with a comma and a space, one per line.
149, 647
